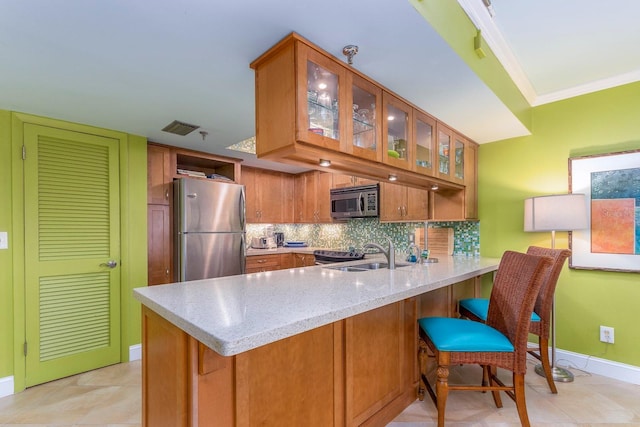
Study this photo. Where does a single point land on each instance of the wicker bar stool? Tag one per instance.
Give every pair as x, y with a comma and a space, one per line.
501, 342
477, 308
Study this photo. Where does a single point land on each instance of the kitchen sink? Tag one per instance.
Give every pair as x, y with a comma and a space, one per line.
365, 266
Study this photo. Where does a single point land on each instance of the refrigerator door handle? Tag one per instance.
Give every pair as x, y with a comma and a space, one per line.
242, 211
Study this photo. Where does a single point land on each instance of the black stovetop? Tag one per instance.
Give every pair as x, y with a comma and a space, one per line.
337, 256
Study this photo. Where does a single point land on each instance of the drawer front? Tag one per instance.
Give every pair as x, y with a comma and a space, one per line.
259, 263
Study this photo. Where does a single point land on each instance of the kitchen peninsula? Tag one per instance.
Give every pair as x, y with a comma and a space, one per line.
305, 346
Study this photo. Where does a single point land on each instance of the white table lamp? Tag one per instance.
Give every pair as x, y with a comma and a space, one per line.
562, 212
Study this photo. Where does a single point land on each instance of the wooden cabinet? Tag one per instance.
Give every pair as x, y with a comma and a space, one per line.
159, 175
364, 122
163, 163
302, 260
397, 133
159, 202
311, 106
363, 371
471, 180
424, 131
260, 263
312, 198
402, 204
159, 245
380, 350
269, 196
342, 181
443, 151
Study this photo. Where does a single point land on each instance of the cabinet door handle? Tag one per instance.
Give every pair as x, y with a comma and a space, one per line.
261, 261
166, 194
166, 272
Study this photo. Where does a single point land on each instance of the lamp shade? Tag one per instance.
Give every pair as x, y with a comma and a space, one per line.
561, 212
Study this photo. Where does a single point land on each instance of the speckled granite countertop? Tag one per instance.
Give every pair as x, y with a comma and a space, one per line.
235, 314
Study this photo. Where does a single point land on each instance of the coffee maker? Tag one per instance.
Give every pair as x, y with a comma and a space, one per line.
279, 236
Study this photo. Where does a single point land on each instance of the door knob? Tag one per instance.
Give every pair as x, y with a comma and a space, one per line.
110, 264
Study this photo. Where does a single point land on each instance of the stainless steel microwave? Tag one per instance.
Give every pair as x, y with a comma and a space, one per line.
355, 202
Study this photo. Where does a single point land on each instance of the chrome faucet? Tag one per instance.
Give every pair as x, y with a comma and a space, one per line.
390, 254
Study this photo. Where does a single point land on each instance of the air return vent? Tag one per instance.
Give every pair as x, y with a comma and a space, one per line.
179, 128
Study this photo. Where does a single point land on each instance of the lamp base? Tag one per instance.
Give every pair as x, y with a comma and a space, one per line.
559, 375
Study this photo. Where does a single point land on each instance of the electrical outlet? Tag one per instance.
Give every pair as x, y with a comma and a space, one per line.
411, 237
606, 334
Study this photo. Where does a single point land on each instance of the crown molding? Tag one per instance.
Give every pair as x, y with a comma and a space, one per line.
595, 86
479, 15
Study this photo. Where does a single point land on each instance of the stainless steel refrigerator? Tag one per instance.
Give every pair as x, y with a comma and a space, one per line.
210, 225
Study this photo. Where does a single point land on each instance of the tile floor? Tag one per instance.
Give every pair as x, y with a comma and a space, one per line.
110, 397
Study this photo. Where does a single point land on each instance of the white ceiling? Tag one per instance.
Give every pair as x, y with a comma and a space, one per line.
136, 65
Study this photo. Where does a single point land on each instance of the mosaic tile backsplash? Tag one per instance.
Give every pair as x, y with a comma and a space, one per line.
357, 233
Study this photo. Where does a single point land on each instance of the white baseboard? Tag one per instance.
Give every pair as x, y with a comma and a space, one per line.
135, 352
595, 365
6, 386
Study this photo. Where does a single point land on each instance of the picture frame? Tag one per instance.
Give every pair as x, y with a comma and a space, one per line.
611, 185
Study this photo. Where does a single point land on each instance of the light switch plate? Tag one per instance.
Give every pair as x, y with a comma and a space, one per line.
4, 240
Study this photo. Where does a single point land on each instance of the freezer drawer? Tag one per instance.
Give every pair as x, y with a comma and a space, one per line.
208, 255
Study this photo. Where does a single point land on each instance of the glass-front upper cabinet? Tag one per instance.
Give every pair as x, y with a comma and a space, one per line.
397, 117
363, 128
458, 158
443, 156
425, 127
320, 108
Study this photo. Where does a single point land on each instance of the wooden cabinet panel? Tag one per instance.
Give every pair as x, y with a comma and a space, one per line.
342, 181
159, 175
471, 180
305, 193
166, 368
259, 263
380, 363
417, 205
269, 196
292, 382
400, 203
159, 244
303, 260
373, 381
312, 197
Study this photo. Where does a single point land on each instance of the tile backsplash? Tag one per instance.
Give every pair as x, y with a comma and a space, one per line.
357, 233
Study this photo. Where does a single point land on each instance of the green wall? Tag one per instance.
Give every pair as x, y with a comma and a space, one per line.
133, 173
6, 256
512, 170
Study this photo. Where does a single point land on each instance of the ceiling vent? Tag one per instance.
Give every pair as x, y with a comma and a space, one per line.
179, 128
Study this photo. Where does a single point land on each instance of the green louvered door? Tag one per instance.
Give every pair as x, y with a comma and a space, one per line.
72, 229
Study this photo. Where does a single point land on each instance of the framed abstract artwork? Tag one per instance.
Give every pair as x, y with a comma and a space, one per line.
611, 184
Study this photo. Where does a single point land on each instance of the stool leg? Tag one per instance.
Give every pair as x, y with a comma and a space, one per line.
521, 403
422, 364
546, 366
493, 372
442, 392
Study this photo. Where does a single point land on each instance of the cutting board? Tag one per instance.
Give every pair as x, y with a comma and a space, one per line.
440, 240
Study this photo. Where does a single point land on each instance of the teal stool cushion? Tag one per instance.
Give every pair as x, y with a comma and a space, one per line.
448, 334
480, 307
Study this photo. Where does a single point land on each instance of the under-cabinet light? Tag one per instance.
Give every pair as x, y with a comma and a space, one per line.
324, 163
434, 187
392, 177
